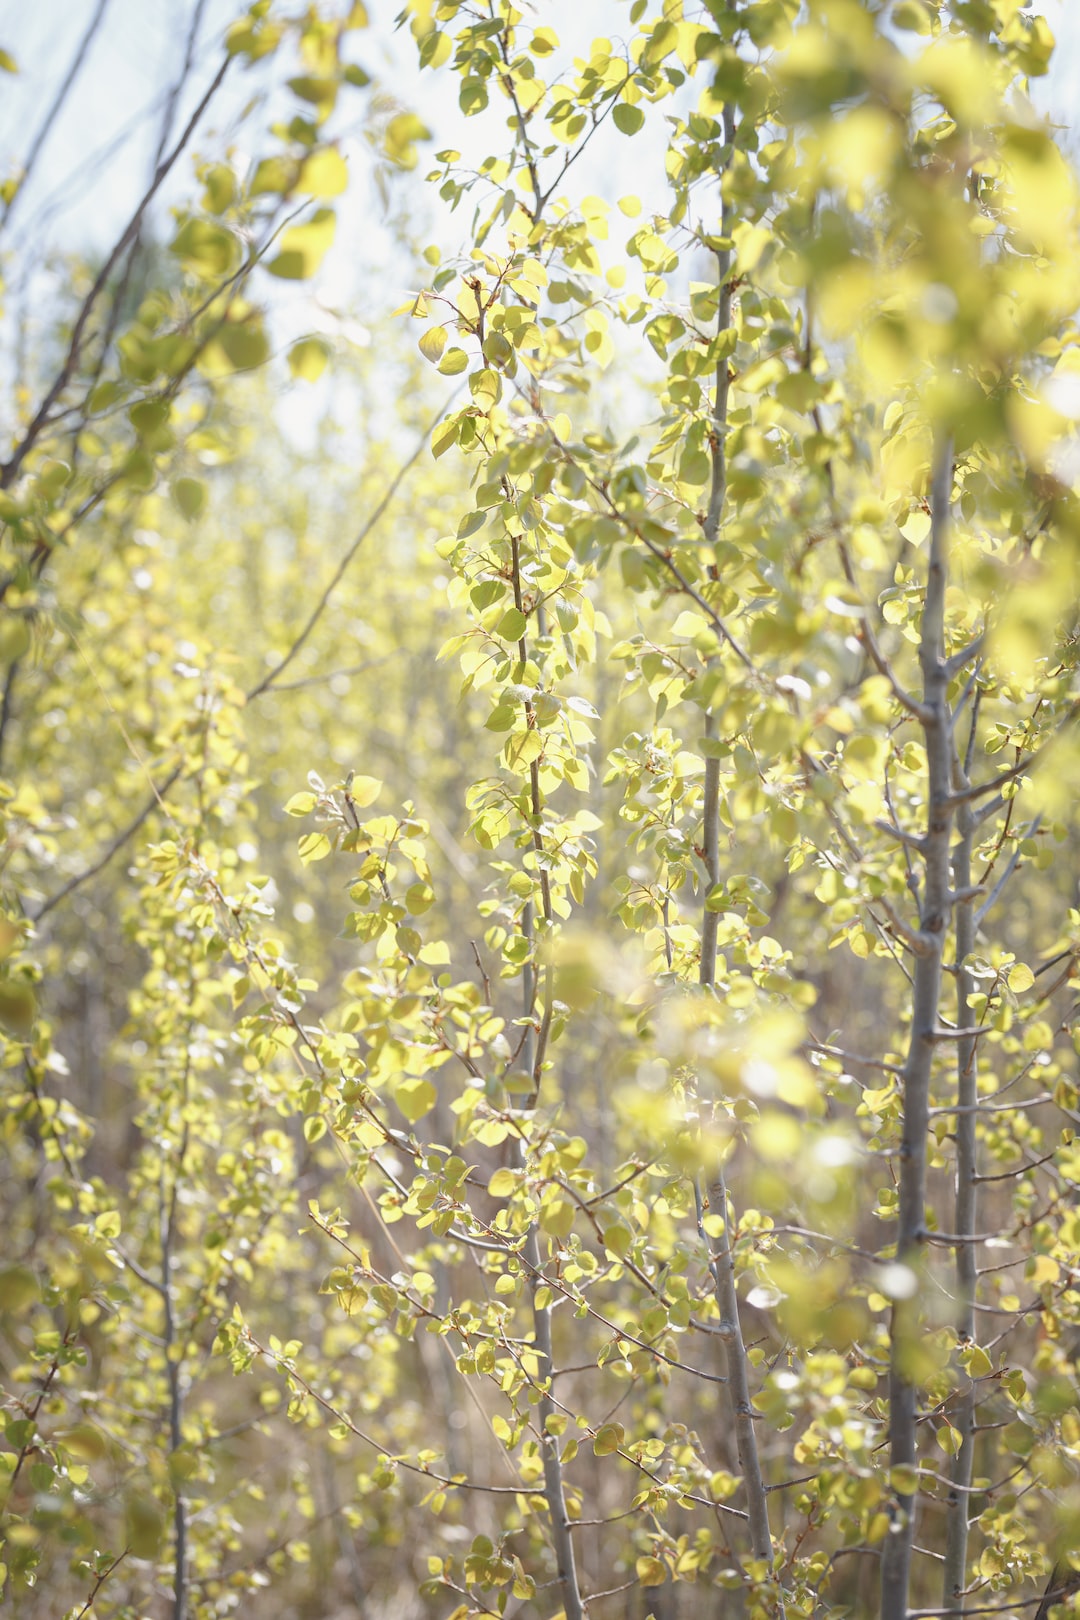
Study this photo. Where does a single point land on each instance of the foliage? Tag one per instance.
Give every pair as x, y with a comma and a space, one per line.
639, 1153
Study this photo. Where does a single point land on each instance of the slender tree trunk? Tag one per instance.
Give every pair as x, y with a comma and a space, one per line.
533, 1057
928, 944
175, 1373
954, 1575
714, 1197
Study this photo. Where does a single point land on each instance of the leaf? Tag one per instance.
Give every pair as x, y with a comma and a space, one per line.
432, 344
364, 790
8, 63
609, 1437
485, 387
206, 248
904, 1479
977, 1362
503, 1183
244, 343
453, 362
627, 119
651, 1571
149, 418
445, 435
319, 90
18, 1288
689, 624
415, 1098
308, 358
436, 49
85, 1441
916, 526
220, 192
18, 1006
189, 496
419, 897
274, 175
401, 134
949, 1439
511, 627
324, 174
15, 640
313, 847
557, 1216
301, 804
302, 248
1020, 978
144, 1523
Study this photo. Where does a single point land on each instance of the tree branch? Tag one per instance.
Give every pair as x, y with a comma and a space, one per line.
45, 128
10, 470
906, 1322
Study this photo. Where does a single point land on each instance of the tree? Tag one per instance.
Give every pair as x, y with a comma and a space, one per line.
672, 1181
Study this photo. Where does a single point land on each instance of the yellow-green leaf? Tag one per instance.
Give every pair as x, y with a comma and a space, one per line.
324, 174
977, 1362
144, 1523
628, 120
433, 343
511, 627
189, 496
402, 132
313, 847
308, 358
949, 1439
608, 1439
1020, 977
18, 1287
415, 1098
364, 790
206, 248
303, 247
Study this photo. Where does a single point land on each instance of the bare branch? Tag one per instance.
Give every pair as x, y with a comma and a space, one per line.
82, 50
977, 790
1014, 860
912, 840
113, 848
867, 638
918, 941
339, 572
10, 470
961, 659
853, 1057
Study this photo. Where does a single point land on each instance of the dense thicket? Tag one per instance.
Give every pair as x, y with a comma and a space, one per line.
539, 909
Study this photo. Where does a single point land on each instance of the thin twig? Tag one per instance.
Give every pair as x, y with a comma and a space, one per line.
10, 470
336, 577
46, 126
